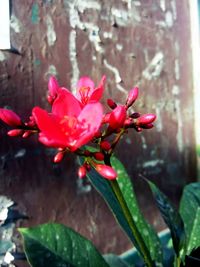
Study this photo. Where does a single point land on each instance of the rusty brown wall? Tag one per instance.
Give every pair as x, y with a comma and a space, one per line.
144, 43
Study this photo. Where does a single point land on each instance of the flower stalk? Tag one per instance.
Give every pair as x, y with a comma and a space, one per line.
140, 242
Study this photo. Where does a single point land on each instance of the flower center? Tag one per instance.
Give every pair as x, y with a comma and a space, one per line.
84, 93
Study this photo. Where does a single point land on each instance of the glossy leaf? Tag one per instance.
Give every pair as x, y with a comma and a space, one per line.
115, 261
104, 188
171, 217
190, 212
55, 245
148, 233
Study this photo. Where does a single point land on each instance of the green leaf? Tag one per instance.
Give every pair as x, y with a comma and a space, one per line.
171, 217
190, 212
148, 233
115, 261
55, 245
103, 186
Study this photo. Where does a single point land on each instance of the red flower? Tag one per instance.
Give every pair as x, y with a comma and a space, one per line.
10, 117
106, 171
117, 117
87, 93
69, 125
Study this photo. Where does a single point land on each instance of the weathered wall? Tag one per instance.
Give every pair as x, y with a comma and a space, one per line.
144, 43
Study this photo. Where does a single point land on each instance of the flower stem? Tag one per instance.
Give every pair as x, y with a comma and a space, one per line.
129, 218
140, 242
177, 261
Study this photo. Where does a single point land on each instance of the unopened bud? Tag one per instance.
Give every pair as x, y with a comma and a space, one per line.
58, 157
105, 145
117, 117
106, 171
99, 156
106, 118
135, 115
147, 126
132, 96
128, 122
26, 134
87, 153
15, 132
111, 103
82, 171
53, 86
98, 134
146, 119
10, 117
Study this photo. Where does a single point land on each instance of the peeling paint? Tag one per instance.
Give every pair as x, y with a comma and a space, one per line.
175, 90
174, 11
73, 60
155, 67
169, 19
152, 163
2, 57
158, 124
144, 144
179, 135
35, 13
114, 70
81, 188
162, 5
15, 24
177, 69
107, 35
51, 71
119, 47
51, 34
90, 28
121, 16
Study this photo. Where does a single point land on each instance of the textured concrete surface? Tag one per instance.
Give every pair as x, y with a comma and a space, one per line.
143, 43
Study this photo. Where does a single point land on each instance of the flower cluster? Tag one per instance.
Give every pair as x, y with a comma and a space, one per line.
76, 120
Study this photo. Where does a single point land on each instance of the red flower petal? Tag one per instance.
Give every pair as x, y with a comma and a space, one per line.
91, 116
66, 104
10, 117
50, 128
85, 82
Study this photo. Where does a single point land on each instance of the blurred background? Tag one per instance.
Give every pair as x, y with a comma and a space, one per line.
153, 44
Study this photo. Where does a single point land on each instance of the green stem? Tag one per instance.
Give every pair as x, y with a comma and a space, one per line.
177, 261
140, 242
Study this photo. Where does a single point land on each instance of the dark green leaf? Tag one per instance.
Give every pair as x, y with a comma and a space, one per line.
190, 212
148, 233
171, 217
55, 245
104, 188
115, 261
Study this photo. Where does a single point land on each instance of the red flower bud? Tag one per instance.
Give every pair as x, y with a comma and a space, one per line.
15, 132
26, 134
82, 171
105, 145
98, 134
111, 103
106, 171
128, 122
132, 96
117, 117
147, 126
53, 86
58, 157
87, 153
146, 119
99, 156
10, 117
106, 118
135, 115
